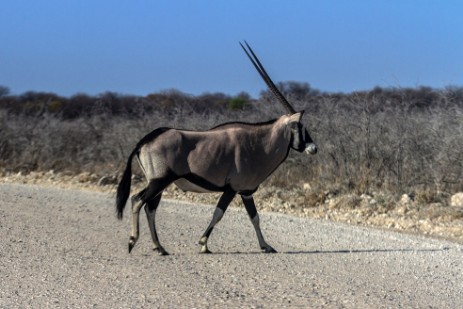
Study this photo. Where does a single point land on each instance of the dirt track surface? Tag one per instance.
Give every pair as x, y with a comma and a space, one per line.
65, 249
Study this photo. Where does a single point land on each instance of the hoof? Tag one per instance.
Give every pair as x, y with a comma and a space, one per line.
132, 242
269, 250
161, 251
205, 250
203, 243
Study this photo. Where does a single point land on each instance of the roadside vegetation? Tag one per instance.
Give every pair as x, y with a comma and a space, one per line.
377, 148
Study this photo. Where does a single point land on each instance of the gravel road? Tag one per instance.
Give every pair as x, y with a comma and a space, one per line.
66, 249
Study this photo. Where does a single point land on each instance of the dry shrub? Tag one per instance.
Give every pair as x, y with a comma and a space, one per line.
314, 198
430, 196
347, 201
396, 141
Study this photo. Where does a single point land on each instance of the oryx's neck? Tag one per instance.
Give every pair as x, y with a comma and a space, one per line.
265, 145
275, 138
270, 138
262, 149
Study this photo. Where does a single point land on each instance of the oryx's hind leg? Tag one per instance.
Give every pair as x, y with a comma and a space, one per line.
137, 204
254, 216
150, 210
146, 196
222, 205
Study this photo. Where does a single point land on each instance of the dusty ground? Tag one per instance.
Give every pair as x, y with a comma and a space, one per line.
64, 248
381, 211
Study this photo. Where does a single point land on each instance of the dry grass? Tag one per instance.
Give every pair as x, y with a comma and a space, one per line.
365, 145
373, 148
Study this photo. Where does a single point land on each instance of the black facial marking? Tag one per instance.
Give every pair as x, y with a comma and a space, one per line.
297, 138
300, 137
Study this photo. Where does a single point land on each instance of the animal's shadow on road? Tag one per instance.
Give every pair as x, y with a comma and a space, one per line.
348, 251
344, 251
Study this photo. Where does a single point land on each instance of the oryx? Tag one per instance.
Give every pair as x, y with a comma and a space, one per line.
233, 158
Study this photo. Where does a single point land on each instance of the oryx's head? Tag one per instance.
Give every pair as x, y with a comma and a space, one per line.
300, 138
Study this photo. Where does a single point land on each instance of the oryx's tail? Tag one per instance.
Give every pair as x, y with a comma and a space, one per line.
123, 190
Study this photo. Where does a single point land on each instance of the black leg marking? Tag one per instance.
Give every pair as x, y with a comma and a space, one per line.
254, 216
222, 206
150, 210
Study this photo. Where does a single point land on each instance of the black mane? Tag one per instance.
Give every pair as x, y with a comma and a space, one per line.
240, 123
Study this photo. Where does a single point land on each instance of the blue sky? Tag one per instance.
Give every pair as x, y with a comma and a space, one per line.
140, 46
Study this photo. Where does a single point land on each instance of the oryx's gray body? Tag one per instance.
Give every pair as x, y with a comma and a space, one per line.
233, 158
225, 156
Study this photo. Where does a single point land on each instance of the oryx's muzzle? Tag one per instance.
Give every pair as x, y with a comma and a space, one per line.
311, 148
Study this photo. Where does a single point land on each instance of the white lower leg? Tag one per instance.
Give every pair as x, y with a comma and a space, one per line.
218, 214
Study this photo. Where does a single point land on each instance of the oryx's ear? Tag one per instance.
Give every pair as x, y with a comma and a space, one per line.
295, 117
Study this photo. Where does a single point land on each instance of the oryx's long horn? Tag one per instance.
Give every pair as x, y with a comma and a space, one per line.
255, 61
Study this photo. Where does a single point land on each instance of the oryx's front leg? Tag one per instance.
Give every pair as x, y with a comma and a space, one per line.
222, 205
254, 216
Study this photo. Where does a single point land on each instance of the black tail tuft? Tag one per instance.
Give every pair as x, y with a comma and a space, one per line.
123, 190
